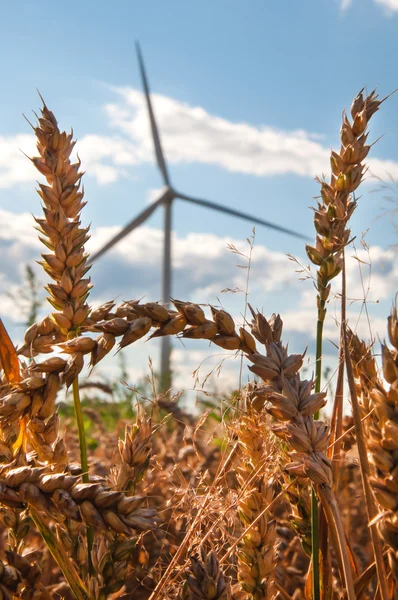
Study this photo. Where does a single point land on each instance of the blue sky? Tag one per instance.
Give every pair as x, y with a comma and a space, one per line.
249, 96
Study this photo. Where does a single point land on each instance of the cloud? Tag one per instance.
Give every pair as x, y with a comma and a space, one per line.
390, 5
154, 194
18, 239
202, 267
15, 168
190, 135
105, 158
345, 4
19, 246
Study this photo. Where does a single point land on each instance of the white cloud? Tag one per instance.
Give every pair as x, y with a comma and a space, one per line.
189, 135
192, 367
17, 234
345, 4
202, 267
103, 157
15, 168
390, 5
19, 246
154, 194
192, 135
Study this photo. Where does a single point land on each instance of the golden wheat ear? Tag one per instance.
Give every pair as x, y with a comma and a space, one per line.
60, 229
258, 548
206, 580
337, 203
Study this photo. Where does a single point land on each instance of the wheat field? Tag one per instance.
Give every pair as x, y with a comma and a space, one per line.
265, 500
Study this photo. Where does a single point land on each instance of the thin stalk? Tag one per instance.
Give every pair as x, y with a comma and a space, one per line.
246, 292
83, 460
337, 415
80, 427
362, 582
314, 500
365, 473
76, 585
282, 592
318, 358
336, 527
315, 545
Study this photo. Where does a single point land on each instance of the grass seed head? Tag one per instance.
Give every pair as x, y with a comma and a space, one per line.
60, 229
332, 214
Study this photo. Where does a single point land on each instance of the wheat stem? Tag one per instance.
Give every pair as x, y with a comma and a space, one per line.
80, 427
83, 459
365, 472
335, 523
337, 413
314, 500
72, 577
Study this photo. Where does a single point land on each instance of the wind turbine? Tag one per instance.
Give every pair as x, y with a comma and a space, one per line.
168, 195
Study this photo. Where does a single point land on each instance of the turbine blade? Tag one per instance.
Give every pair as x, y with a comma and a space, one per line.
240, 215
154, 128
141, 218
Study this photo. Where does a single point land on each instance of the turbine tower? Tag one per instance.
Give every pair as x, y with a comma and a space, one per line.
166, 199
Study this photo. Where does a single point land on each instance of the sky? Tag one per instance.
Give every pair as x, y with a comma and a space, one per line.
248, 96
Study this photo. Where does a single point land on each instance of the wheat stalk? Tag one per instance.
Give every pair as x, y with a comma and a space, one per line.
331, 219
382, 428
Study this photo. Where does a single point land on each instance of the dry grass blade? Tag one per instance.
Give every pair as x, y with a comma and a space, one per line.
183, 546
365, 473
9, 362
334, 520
381, 432
337, 415
72, 577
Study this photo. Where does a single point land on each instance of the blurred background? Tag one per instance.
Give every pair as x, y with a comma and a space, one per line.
248, 97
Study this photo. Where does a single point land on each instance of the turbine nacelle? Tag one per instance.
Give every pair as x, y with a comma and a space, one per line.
169, 194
